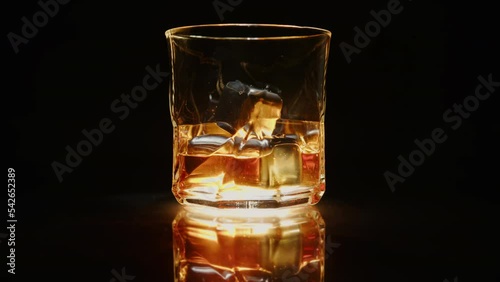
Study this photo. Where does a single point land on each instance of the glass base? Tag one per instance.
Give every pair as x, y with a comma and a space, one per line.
248, 198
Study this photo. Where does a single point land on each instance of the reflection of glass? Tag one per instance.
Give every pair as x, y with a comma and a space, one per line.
213, 245
247, 104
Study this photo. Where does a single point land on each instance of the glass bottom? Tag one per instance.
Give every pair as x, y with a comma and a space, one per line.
250, 197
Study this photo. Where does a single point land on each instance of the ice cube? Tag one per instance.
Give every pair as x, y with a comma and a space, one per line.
283, 165
227, 127
247, 115
254, 111
252, 148
211, 138
229, 105
208, 144
218, 128
259, 113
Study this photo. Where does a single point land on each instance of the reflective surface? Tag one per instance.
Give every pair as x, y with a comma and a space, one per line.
237, 245
371, 240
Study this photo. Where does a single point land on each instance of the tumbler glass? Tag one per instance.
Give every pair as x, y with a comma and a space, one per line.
247, 104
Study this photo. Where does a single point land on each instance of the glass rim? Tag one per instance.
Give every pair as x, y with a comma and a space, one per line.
185, 32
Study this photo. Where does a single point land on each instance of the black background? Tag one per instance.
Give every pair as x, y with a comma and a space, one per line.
114, 210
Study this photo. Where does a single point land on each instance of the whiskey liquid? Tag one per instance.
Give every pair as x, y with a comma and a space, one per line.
216, 167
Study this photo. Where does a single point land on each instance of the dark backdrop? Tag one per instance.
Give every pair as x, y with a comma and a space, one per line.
64, 79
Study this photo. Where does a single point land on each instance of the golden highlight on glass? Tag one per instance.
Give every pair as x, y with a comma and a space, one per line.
247, 103
210, 246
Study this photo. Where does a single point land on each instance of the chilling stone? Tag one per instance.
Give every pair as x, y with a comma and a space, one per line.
283, 165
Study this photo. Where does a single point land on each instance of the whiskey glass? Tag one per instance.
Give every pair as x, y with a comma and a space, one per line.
247, 105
